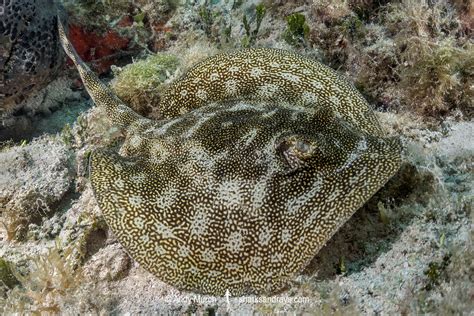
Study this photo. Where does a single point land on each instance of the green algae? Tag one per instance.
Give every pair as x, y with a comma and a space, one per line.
7, 278
251, 34
297, 30
138, 84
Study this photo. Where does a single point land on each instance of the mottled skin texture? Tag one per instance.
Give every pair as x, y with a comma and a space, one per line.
223, 195
264, 74
30, 57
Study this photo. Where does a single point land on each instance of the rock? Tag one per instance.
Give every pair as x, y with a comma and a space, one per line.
33, 180
110, 263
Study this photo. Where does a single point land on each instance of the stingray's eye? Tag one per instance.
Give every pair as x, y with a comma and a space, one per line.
295, 150
303, 148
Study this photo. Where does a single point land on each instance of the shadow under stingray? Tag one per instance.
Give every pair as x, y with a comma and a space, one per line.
367, 234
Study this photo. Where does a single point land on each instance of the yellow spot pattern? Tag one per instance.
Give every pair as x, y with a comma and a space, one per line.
260, 156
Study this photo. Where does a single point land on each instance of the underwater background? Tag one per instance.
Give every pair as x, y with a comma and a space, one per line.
408, 250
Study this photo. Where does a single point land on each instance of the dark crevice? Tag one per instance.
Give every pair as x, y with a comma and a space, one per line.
29, 125
9, 56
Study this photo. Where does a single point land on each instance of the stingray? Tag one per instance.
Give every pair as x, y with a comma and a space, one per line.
258, 158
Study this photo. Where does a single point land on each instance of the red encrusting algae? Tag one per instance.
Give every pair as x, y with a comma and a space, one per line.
99, 49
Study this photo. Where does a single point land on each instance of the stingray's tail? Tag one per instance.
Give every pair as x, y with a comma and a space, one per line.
103, 97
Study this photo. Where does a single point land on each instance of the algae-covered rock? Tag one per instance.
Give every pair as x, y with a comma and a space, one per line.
96, 14
141, 22
110, 263
33, 179
415, 55
139, 84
